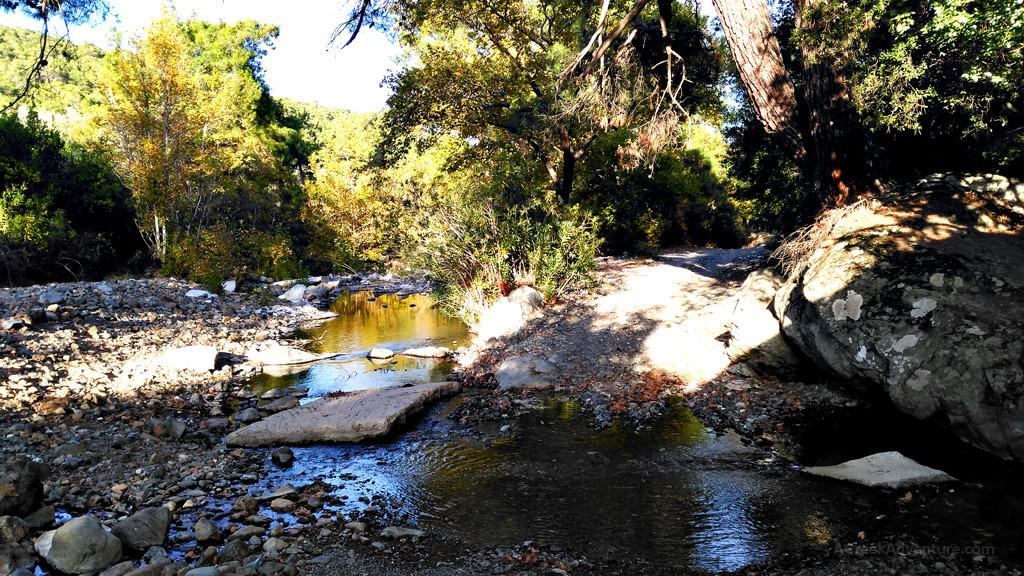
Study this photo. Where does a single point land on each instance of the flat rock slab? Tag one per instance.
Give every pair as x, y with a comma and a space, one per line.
428, 352
882, 470
351, 418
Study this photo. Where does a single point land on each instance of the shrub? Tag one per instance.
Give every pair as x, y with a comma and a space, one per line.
479, 251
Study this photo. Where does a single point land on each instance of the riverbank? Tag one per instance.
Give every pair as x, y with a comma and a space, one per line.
492, 481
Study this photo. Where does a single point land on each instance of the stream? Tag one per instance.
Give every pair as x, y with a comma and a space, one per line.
672, 496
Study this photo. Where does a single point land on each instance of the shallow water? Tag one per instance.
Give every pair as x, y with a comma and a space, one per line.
672, 497
366, 321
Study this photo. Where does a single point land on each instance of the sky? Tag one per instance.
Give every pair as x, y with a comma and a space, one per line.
302, 66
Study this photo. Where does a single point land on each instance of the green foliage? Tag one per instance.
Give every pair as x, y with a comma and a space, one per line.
480, 251
685, 197
212, 161
941, 83
65, 88
63, 213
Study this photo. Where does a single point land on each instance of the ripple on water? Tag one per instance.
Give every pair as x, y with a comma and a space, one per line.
670, 494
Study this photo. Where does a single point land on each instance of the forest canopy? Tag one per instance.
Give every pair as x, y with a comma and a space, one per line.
520, 139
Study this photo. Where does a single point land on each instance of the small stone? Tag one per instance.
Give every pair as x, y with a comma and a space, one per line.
274, 546
357, 527
12, 530
205, 530
248, 416
397, 532
281, 505
283, 456
246, 532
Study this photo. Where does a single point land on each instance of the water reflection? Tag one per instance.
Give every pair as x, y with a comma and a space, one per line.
366, 321
669, 496
615, 494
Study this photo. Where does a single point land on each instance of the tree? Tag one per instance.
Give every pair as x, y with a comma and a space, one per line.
178, 132
68, 11
819, 125
551, 77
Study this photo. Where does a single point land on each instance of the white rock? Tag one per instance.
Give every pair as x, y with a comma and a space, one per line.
428, 352
509, 314
295, 294
882, 470
229, 286
197, 293
380, 354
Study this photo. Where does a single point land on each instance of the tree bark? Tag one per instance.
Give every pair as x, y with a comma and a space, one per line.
824, 135
839, 162
755, 49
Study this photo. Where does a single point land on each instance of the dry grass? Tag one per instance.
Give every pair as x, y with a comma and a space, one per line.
794, 252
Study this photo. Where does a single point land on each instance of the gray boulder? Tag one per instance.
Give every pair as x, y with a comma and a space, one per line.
144, 529
81, 546
922, 299
755, 335
21, 486
50, 297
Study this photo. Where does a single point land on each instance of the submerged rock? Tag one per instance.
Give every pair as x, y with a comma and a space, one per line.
351, 418
922, 299
278, 355
428, 352
81, 546
882, 470
526, 372
398, 532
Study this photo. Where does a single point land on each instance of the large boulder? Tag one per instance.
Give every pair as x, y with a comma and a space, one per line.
509, 314
144, 529
21, 486
81, 546
754, 334
922, 298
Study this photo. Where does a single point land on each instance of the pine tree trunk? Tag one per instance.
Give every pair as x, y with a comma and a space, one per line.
838, 163
755, 49
826, 139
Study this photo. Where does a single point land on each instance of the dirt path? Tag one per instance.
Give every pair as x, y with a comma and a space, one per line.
648, 316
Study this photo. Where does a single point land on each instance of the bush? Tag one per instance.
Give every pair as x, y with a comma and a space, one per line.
478, 252
63, 213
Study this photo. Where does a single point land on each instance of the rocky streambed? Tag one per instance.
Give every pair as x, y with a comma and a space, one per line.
100, 423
